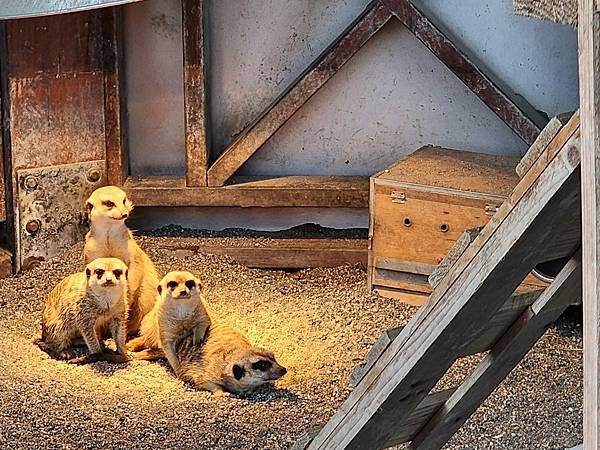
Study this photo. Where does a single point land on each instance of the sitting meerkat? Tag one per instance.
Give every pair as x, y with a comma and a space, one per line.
87, 305
179, 310
108, 207
226, 362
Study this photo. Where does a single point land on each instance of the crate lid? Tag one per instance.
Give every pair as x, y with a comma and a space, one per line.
455, 169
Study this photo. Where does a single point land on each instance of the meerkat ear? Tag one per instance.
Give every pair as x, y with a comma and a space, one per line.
88, 273
159, 289
89, 206
238, 372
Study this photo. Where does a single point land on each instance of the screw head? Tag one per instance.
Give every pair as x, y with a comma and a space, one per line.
31, 182
93, 175
33, 226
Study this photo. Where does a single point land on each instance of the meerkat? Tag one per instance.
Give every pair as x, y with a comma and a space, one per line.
108, 207
88, 305
179, 310
226, 363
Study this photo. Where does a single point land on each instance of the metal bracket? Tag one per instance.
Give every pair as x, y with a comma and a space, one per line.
50, 216
398, 197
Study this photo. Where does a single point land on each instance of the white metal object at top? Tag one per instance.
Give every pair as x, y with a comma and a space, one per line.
18, 9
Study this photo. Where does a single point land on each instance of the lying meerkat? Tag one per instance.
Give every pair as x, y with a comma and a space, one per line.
88, 305
178, 311
226, 362
108, 207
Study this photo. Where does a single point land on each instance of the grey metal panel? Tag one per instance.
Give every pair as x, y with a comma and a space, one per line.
17, 9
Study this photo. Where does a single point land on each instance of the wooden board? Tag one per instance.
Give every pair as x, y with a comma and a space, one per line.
455, 169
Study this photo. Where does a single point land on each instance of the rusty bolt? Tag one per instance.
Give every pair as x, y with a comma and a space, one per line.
31, 182
93, 175
33, 226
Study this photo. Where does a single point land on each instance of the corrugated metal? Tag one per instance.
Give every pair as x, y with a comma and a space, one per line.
16, 9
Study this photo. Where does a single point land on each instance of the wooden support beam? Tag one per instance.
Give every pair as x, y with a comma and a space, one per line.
589, 88
503, 357
195, 56
114, 97
313, 191
524, 120
298, 93
527, 231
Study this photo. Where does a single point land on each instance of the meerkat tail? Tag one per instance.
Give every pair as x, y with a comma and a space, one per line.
136, 344
97, 357
149, 354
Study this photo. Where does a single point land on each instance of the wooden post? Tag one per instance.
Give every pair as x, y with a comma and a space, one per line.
589, 85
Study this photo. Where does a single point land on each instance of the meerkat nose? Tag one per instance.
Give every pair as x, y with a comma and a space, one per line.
124, 216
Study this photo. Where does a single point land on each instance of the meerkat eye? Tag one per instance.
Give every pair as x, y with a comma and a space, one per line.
108, 204
190, 284
172, 284
262, 365
117, 273
99, 273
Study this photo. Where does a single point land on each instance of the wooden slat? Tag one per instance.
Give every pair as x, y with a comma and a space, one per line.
195, 54
298, 93
505, 355
589, 88
523, 119
286, 253
403, 266
114, 97
530, 232
318, 191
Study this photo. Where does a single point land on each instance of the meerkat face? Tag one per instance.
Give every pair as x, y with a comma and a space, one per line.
106, 273
179, 286
108, 203
255, 367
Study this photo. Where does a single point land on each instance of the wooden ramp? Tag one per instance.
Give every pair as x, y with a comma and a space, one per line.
475, 307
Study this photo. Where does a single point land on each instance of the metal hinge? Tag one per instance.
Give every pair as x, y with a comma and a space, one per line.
398, 197
490, 210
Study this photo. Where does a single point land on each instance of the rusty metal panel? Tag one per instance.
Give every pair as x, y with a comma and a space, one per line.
50, 215
16, 9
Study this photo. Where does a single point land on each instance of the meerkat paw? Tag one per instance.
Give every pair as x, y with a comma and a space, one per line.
221, 393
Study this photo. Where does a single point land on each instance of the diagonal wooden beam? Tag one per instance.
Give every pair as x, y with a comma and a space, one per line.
525, 121
195, 55
298, 93
541, 224
504, 356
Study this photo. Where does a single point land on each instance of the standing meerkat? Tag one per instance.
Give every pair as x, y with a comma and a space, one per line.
108, 207
179, 311
226, 362
87, 305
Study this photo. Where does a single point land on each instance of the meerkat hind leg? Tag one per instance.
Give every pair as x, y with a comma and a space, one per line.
153, 354
136, 344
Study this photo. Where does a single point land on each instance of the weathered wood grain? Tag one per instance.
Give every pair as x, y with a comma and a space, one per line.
195, 56
530, 231
503, 357
589, 94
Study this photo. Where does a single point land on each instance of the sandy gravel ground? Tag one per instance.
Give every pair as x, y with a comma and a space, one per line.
319, 322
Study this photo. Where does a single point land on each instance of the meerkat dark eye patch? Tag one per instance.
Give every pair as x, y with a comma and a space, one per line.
238, 372
117, 273
88, 273
108, 204
262, 365
190, 284
159, 289
99, 272
172, 284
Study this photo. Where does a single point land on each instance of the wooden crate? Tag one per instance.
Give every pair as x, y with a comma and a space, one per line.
421, 205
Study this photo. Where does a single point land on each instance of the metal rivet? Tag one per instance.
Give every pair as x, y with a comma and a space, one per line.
93, 175
444, 227
407, 222
33, 226
31, 182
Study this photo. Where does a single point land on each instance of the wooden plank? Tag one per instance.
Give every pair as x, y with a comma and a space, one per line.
432, 340
504, 356
114, 98
195, 54
373, 355
589, 88
298, 93
403, 266
312, 191
523, 119
413, 298
285, 253
541, 142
